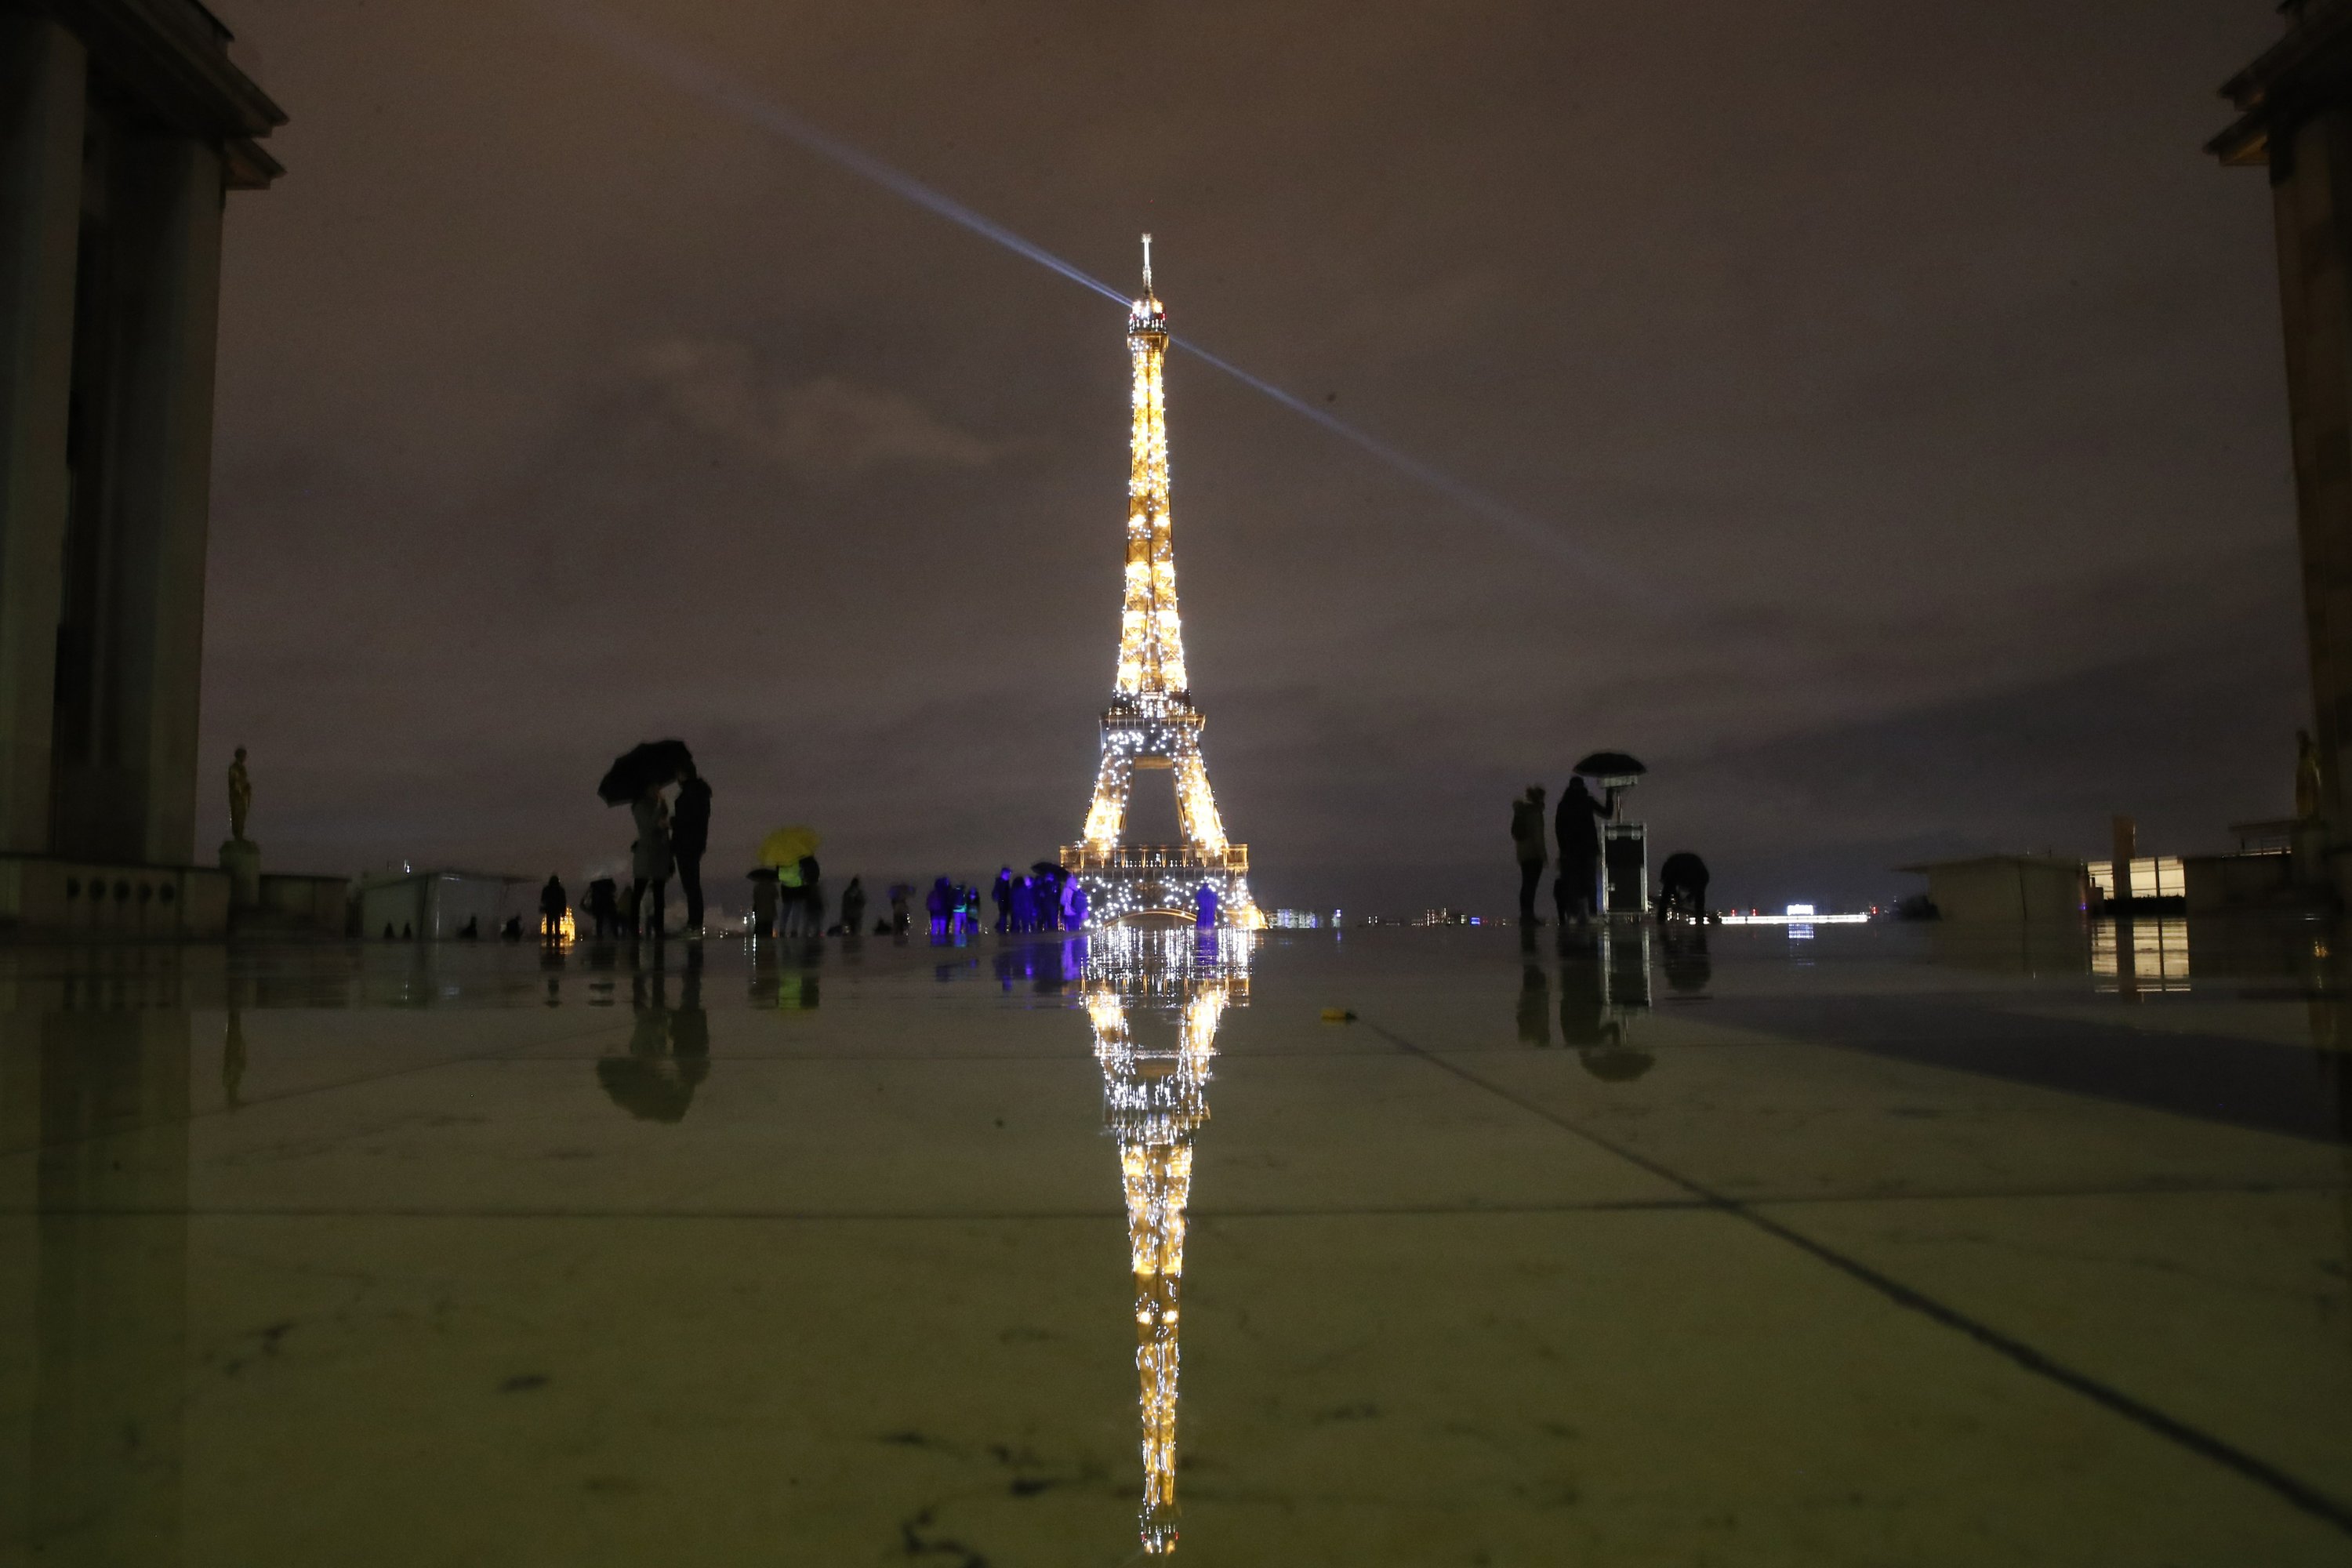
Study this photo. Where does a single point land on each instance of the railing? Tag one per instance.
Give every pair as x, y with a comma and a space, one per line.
1233, 857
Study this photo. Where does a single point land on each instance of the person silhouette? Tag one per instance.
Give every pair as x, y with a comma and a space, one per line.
690, 836
1577, 826
1528, 843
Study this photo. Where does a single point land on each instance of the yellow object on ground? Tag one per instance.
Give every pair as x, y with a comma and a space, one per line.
1338, 1016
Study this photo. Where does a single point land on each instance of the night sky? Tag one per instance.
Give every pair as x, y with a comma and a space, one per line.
1896, 392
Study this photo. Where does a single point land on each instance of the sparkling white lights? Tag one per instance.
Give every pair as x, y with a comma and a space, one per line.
1152, 722
1155, 1097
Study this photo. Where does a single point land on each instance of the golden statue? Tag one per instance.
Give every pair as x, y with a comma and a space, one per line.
241, 797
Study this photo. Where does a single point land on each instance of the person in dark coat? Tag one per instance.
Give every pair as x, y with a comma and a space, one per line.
604, 906
690, 836
1577, 826
811, 896
1527, 843
853, 908
1001, 895
552, 902
1682, 886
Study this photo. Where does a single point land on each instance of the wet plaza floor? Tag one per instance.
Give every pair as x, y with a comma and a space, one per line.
1905, 1245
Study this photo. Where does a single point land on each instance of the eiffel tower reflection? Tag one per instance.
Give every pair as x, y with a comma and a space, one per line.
1155, 1097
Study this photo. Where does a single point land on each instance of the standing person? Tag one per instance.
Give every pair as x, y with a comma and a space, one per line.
1001, 895
604, 907
853, 908
1527, 843
650, 859
552, 902
1577, 826
1024, 903
899, 918
690, 836
812, 895
939, 901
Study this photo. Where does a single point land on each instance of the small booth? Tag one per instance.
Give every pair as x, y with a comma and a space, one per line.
1624, 845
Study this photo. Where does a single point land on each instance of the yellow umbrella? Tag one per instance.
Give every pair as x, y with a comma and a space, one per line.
785, 846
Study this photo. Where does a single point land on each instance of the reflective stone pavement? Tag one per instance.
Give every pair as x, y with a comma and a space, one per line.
1872, 1245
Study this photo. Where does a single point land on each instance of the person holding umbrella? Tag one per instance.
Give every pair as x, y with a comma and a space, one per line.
636, 778
1578, 827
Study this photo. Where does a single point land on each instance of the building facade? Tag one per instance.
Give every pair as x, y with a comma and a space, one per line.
2295, 108
123, 127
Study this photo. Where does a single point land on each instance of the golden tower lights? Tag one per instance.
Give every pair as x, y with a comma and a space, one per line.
1152, 722
1154, 1100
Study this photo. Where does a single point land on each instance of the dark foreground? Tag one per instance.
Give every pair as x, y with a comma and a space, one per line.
1890, 1246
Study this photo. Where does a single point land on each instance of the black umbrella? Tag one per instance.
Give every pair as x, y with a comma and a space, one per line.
1047, 869
648, 765
1610, 765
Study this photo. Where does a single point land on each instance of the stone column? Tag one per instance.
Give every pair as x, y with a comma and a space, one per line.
2311, 179
43, 86
169, 239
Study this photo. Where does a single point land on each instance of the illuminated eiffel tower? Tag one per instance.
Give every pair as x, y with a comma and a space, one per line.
1152, 722
1154, 1100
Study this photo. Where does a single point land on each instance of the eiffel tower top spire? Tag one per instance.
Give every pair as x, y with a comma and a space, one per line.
1151, 639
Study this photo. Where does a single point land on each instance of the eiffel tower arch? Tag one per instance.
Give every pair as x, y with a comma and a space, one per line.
1152, 722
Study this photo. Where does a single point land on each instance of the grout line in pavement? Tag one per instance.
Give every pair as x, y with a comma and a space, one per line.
2298, 1493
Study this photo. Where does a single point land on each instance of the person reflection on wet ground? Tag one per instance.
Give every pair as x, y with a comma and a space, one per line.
689, 1027
656, 1079
787, 991
232, 1057
550, 964
1584, 1021
1604, 981
1535, 993
1688, 968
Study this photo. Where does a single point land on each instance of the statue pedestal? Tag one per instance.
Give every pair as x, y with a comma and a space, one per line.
241, 859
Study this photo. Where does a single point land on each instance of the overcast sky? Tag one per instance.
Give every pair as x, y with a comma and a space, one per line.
1894, 392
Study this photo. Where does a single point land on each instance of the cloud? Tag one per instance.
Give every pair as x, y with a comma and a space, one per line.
825, 428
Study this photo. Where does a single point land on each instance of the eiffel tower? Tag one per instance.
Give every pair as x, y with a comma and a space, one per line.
1152, 722
1154, 1100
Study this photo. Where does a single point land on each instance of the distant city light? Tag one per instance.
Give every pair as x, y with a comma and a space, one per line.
1794, 917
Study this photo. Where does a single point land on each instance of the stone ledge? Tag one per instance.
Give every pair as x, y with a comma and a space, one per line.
49, 896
